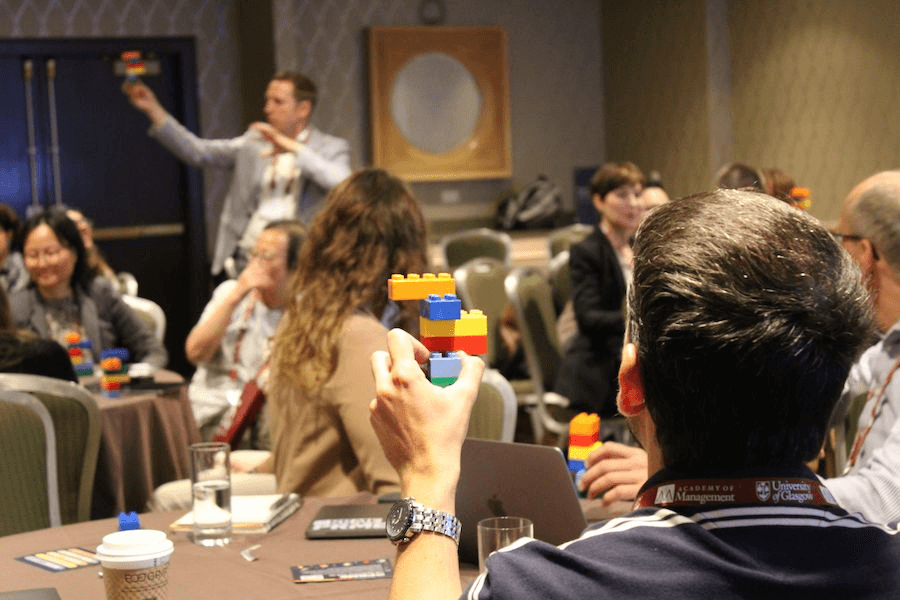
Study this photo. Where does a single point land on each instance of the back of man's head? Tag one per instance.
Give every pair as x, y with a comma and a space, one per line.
747, 316
873, 212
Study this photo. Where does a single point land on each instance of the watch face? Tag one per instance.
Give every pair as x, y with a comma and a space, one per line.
398, 520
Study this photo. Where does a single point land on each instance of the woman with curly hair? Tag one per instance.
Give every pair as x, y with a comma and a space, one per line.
321, 382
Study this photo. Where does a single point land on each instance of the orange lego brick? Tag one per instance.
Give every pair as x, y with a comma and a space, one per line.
585, 424
415, 287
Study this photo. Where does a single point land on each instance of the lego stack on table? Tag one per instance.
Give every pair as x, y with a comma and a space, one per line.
81, 354
115, 372
444, 328
584, 436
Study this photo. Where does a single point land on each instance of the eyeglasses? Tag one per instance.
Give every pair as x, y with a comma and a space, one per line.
48, 253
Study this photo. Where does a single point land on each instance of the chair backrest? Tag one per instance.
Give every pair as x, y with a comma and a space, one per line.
128, 284
531, 297
463, 246
29, 495
560, 280
150, 313
76, 419
479, 284
494, 413
561, 239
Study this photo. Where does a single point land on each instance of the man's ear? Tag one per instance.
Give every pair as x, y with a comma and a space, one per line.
631, 388
305, 108
597, 201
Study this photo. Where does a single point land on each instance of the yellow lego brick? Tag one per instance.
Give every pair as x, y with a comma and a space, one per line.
414, 287
472, 322
581, 452
121, 378
585, 424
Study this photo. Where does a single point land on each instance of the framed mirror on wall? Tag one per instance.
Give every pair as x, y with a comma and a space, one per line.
439, 100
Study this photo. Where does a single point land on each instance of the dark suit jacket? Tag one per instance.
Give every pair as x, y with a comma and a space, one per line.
106, 319
589, 370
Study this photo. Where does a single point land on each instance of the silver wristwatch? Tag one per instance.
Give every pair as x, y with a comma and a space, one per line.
408, 517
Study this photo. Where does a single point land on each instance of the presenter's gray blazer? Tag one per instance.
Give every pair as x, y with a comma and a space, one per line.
324, 161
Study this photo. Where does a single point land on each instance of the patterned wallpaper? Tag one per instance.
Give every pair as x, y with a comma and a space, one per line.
814, 91
212, 22
655, 84
555, 82
807, 86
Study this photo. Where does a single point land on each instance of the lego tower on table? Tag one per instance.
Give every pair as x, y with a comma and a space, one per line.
584, 436
80, 353
115, 371
444, 328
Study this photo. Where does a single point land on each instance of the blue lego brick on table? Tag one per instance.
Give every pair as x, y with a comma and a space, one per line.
128, 521
443, 367
120, 353
437, 308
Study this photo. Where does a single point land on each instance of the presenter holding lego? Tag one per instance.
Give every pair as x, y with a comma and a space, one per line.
283, 167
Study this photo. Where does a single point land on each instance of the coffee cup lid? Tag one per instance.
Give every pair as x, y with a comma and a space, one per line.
135, 548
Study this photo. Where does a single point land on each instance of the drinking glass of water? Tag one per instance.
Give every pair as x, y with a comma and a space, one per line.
211, 482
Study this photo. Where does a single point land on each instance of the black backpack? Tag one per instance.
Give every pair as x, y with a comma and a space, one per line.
537, 206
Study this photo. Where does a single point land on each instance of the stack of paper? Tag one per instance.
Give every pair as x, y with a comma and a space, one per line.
251, 514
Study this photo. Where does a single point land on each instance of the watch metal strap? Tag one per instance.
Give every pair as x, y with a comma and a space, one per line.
440, 522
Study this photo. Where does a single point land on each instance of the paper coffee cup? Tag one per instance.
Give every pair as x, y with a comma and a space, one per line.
135, 564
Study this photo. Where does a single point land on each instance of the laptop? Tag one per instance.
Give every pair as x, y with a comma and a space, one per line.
520, 480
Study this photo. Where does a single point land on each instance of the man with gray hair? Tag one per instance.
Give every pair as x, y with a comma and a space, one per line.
869, 230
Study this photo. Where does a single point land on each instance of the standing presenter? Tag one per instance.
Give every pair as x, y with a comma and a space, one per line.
283, 168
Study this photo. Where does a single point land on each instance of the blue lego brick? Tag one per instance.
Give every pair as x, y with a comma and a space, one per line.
120, 353
129, 521
85, 345
437, 308
444, 367
576, 465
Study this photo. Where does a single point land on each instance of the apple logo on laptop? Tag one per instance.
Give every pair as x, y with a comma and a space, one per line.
496, 506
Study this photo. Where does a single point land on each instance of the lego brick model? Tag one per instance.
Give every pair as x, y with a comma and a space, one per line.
415, 287
440, 308
115, 372
584, 436
81, 353
471, 323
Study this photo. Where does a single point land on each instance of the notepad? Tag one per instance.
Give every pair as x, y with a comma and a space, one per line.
251, 514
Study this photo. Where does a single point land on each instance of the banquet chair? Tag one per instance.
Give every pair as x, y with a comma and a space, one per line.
150, 313
479, 284
531, 297
494, 412
128, 284
29, 496
457, 248
76, 420
561, 239
560, 280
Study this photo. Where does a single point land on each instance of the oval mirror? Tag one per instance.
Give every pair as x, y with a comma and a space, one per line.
435, 102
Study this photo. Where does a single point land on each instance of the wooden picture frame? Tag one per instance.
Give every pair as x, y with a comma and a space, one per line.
486, 153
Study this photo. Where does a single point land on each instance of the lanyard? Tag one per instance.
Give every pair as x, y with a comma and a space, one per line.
245, 325
719, 492
881, 399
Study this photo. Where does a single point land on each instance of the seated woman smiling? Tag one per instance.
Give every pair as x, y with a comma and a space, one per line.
65, 297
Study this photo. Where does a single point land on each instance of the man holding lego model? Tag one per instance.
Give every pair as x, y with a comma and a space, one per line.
743, 321
283, 168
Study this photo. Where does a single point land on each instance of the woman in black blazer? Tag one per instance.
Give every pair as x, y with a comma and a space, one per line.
600, 268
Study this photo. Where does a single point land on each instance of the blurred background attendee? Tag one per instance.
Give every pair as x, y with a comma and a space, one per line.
601, 267
740, 176
95, 260
321, 378
653, 194
230, 343
13, 275
65, 297
23, 352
